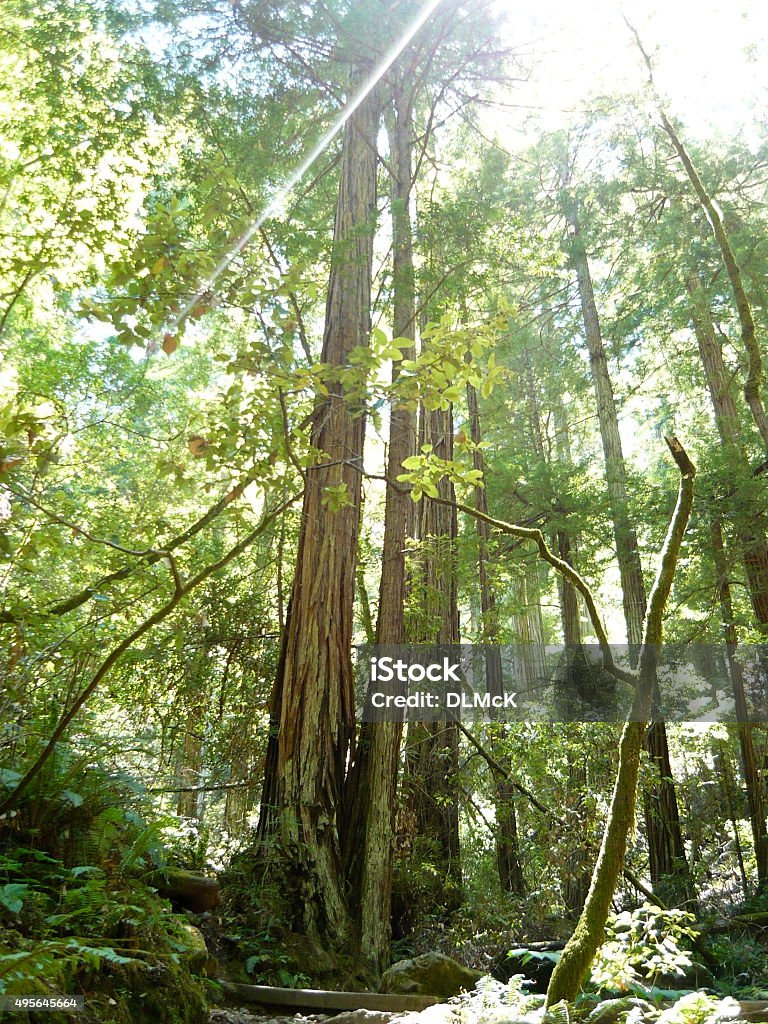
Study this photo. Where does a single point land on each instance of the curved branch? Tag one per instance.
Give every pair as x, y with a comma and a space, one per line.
662, 585
149, 556
567, 571
117, 652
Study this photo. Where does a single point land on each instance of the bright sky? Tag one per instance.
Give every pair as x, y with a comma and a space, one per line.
710, 56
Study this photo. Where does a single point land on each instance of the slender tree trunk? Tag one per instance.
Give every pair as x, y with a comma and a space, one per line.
433, 748
753, 545
507, 846
578, 871
748, 493
373, 778
754, 383
588, 935
364, 605
627, 550
190, 763
570, 615
576, 884
722, 762
753, 777
313, 700
668, 866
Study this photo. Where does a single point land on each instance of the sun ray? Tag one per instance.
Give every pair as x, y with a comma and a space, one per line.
277, 202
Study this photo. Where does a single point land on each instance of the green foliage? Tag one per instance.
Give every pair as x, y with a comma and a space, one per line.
128, 171
67, 926
560, 1013
698, 1008
642, 947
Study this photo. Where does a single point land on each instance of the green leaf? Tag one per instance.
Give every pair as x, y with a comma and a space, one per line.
8, 778
102, 953
12, 896
378, 337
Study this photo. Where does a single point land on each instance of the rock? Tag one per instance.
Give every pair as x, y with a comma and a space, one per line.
302, 955
244, 1016
232, 1017
530, 1019
196, 956
162, 993
361, 1017
431, 974
694, 977
440, 1013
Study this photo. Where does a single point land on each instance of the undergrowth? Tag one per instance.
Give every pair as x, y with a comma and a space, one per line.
78, 914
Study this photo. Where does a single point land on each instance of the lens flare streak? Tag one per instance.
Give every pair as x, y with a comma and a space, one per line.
277, 202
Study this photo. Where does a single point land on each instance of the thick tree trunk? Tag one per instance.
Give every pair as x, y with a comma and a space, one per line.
530, 663
666, 850
669, 868
373, 778
507, 847
313, 702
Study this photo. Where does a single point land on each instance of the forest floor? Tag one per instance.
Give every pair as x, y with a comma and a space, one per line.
438, 1014
490, 1003
481, 1006
243, 1016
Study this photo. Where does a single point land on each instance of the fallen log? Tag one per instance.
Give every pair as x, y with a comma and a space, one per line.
302, 999
197, 893
755, 1011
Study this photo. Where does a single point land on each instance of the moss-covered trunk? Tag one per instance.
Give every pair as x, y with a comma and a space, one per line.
666, 850
588, 935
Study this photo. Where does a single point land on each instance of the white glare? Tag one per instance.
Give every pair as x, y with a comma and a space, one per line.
276, 204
